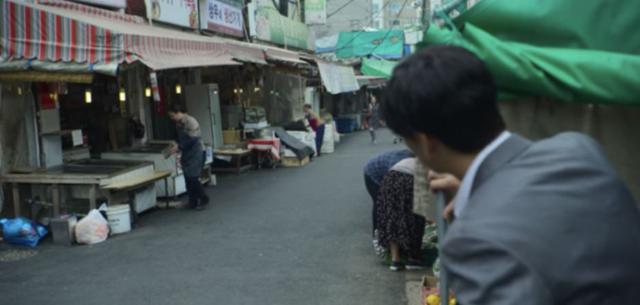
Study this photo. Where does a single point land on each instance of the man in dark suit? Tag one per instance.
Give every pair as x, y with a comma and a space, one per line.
547, 222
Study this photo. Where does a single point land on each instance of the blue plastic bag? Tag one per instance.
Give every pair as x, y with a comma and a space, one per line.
22, 231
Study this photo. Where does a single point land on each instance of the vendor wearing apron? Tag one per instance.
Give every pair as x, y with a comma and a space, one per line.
192, 155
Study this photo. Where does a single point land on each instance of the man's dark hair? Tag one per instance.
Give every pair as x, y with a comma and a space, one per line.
177, 108
445, 92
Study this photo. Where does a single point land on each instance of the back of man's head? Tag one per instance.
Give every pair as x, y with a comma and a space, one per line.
445, 92
177, 108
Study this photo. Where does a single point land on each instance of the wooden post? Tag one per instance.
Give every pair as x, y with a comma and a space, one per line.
55, 194
16, 199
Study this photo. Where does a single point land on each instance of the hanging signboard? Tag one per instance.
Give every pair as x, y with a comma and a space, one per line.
338, 78
177, 12
315, 11
268, 25
222, 16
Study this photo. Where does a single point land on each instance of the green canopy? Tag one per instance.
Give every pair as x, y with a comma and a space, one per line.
570, 50
373, 67
385, 44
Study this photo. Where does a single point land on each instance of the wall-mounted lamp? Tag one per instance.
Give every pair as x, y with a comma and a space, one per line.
122, 96
235, 91
241, 90
19, 90
178, 89
147, 92
256, 89
87, 96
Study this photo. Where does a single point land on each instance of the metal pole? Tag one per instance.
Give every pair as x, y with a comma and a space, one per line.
442, 229
423, 18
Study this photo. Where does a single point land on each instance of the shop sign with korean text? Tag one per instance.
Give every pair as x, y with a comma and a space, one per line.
177, 12
222, 16
270, 26
315, 11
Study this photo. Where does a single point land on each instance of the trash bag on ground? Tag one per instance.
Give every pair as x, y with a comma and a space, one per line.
22, 231
92, 229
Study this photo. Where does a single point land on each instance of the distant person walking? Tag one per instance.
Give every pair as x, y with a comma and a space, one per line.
192, 155
374, 118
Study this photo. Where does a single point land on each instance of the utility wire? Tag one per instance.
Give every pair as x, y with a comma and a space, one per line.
340, 8
347, 45
389, 32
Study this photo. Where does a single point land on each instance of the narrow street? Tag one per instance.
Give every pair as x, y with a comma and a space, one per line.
283, 236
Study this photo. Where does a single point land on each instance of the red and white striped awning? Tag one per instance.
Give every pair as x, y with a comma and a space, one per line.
32, 33
61, 31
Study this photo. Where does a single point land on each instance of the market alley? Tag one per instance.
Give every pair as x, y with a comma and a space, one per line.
270, 236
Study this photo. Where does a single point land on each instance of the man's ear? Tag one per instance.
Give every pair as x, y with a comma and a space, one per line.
428, 143
434, 145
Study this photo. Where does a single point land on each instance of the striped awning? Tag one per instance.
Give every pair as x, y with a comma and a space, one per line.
32, 33
63, 32
284, 56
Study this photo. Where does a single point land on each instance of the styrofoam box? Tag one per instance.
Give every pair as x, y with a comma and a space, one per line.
289, 153
327, 140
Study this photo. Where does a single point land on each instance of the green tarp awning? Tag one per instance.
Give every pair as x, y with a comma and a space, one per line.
374, 67
385, 44
570, 50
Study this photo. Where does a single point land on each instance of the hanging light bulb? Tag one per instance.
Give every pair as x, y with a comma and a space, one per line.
235, 90
122, 96
241, 90
147, 92
87, 96
178, 89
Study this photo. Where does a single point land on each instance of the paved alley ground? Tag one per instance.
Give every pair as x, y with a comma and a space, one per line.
270, 237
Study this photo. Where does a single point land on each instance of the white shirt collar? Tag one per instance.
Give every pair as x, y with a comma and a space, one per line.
462, 197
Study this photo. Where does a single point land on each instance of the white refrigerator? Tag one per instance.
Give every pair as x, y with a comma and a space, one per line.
203, 103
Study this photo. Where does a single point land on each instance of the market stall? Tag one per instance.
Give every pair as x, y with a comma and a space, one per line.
89, 182
155, 152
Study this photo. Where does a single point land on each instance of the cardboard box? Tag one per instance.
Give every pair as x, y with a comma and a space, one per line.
430, 287
231, 136
62, 229
294, 162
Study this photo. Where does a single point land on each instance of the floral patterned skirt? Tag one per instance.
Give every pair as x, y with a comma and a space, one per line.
395, 220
